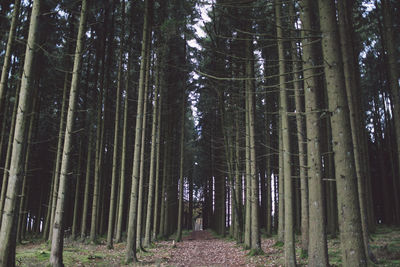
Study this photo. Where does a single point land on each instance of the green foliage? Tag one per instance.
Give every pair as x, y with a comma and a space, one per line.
279, 244
255, 252
304, 254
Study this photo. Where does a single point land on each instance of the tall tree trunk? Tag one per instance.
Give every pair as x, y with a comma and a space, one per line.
351, 237
154, 151
87, 184
78, 175
142, 153
250, 90
131, 242
111, 214
181, 166
290, 256
58, 231
248, 215
156, 215
392, 58
24, 190
9, 153
8, 223
348, 55
318, 251
7, 57
301, 136
60, 139
238, 183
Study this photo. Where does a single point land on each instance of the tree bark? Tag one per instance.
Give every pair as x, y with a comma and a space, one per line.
58, 231
131, 242
8, 223
181, 166
154, 151
87, 184
7, 57
141, 193
317, 248
352, 248
113, 197
290, 256
392, 58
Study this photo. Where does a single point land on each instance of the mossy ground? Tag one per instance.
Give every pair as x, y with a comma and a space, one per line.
385, 245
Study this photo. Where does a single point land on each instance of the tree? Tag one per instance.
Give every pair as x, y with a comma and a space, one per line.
58, 226
353, 253
7, 56
317, 250
290, 257
131, 241
113, 196
10, 215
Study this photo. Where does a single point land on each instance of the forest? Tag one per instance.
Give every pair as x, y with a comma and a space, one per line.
199, 133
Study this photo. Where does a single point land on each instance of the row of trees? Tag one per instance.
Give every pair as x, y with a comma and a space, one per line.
294, 125
65, 168
294, 100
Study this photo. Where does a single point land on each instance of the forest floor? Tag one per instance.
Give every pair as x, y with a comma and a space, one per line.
199, 248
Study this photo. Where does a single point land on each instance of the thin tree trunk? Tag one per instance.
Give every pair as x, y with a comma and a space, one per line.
87, 184
76, 200
113, 199
248, 215
142, 153
250, 90
181, 165
48, 212
8, 223
8, 153
131, 242
58, 231
24, 190
164, 181
121, 200
290, 256
301, 138
7, 56
154, 150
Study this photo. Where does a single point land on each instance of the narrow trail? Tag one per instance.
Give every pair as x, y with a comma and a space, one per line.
202, 249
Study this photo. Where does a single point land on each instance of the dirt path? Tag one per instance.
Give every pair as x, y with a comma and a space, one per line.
202, 249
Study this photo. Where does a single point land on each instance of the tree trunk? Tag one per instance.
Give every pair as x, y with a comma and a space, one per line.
58, 231
353, 253
290, 256
318, 251
24, 190
8, 223
87, 184
111, 215
248, 215
181, 165
8, 153
78, 175
7, 57
250, 90
131, 242
143, 151
153, 158
301, 137
348, 56
392, 58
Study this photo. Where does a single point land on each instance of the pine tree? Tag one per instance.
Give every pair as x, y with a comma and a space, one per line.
10, 215
58, 226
